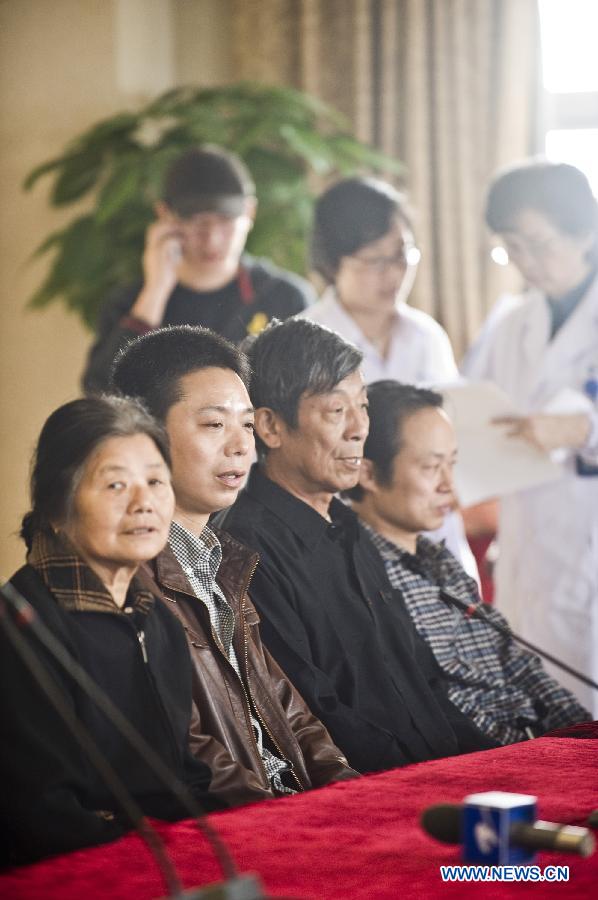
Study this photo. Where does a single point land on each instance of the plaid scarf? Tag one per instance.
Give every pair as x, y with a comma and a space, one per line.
74, 585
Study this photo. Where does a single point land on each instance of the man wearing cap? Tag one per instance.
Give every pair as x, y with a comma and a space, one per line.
194, 268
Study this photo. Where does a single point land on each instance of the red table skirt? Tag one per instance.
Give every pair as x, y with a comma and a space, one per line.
360, 839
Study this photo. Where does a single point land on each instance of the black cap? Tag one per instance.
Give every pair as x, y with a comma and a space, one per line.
207, 179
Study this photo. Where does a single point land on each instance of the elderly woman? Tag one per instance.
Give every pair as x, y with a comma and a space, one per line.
101, 505
543, 352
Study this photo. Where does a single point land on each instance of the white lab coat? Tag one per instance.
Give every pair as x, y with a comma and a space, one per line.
420, 352
547, 572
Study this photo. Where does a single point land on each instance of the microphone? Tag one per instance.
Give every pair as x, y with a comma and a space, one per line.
477, 611
497, 827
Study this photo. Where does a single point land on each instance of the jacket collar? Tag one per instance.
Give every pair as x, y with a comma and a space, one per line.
237, 566
425, 548
74, 586
307, 524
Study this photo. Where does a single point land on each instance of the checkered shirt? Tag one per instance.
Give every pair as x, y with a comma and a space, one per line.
200, 558
494, 681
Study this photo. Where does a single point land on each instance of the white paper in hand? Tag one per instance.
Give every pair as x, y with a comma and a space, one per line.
490, 463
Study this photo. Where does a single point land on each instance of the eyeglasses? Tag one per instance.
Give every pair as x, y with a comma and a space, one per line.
514, 248
408, 255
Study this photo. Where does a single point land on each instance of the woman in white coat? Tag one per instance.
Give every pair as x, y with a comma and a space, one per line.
547, 573
362, 244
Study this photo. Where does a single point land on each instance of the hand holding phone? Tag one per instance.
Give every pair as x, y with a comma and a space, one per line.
161, 260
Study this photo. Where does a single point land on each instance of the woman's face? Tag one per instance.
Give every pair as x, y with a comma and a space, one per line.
549, 259
378, 274
122, 507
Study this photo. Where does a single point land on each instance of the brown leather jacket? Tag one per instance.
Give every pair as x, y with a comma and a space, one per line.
221, 733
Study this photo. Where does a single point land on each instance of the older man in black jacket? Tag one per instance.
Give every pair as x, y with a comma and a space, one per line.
329, 614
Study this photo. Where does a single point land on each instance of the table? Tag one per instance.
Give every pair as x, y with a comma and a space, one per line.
357, 839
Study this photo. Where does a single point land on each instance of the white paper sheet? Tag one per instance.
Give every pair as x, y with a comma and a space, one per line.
490, 463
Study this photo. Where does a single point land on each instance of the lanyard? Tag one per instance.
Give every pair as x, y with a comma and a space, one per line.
246, 291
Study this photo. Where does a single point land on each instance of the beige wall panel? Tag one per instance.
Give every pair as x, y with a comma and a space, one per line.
203, 41
57, 76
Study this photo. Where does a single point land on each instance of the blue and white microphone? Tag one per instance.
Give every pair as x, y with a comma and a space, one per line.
498, 828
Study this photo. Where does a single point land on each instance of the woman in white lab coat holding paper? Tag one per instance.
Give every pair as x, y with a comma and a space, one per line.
544, 355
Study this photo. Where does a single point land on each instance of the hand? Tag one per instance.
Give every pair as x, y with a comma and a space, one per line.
161, 260
548, 432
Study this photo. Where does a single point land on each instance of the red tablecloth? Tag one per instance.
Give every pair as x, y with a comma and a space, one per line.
360, 839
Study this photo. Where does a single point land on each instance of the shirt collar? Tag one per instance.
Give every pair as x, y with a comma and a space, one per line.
191, 547
307, 524
346, 324
425, 548
76, 587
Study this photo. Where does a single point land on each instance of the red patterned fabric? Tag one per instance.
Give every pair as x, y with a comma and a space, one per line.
358, 839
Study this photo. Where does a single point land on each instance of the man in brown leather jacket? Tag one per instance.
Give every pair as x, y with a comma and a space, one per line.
249, 723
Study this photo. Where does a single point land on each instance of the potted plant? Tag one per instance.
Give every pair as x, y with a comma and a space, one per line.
289, 140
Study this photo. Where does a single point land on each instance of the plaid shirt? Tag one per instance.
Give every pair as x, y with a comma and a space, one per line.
200, 558
490, 678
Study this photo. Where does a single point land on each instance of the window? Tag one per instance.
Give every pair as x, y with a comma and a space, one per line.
569, 31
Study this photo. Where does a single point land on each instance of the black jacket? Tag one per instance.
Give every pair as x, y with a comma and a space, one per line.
342, 634
51, 792
260, 292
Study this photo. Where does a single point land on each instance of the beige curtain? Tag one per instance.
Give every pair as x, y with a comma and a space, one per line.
448, 86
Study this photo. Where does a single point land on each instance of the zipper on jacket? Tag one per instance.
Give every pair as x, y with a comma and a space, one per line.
253, 705
166, 721
220, 646
245, 586
141, 639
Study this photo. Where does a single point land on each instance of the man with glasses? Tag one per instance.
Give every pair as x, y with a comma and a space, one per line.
194, 268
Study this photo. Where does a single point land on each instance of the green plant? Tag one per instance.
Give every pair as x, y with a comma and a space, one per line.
288, 139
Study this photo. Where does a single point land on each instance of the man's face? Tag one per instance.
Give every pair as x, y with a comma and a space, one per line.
211, 438
212, 241
421, 492
323, 454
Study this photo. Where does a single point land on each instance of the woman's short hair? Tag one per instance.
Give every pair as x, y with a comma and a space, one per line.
67, 440
350, 214
558, 191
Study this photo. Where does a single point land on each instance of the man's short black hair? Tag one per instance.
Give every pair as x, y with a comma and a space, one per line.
294, 358
207, 179
350, 214
558, 191
391, 403
150, 368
